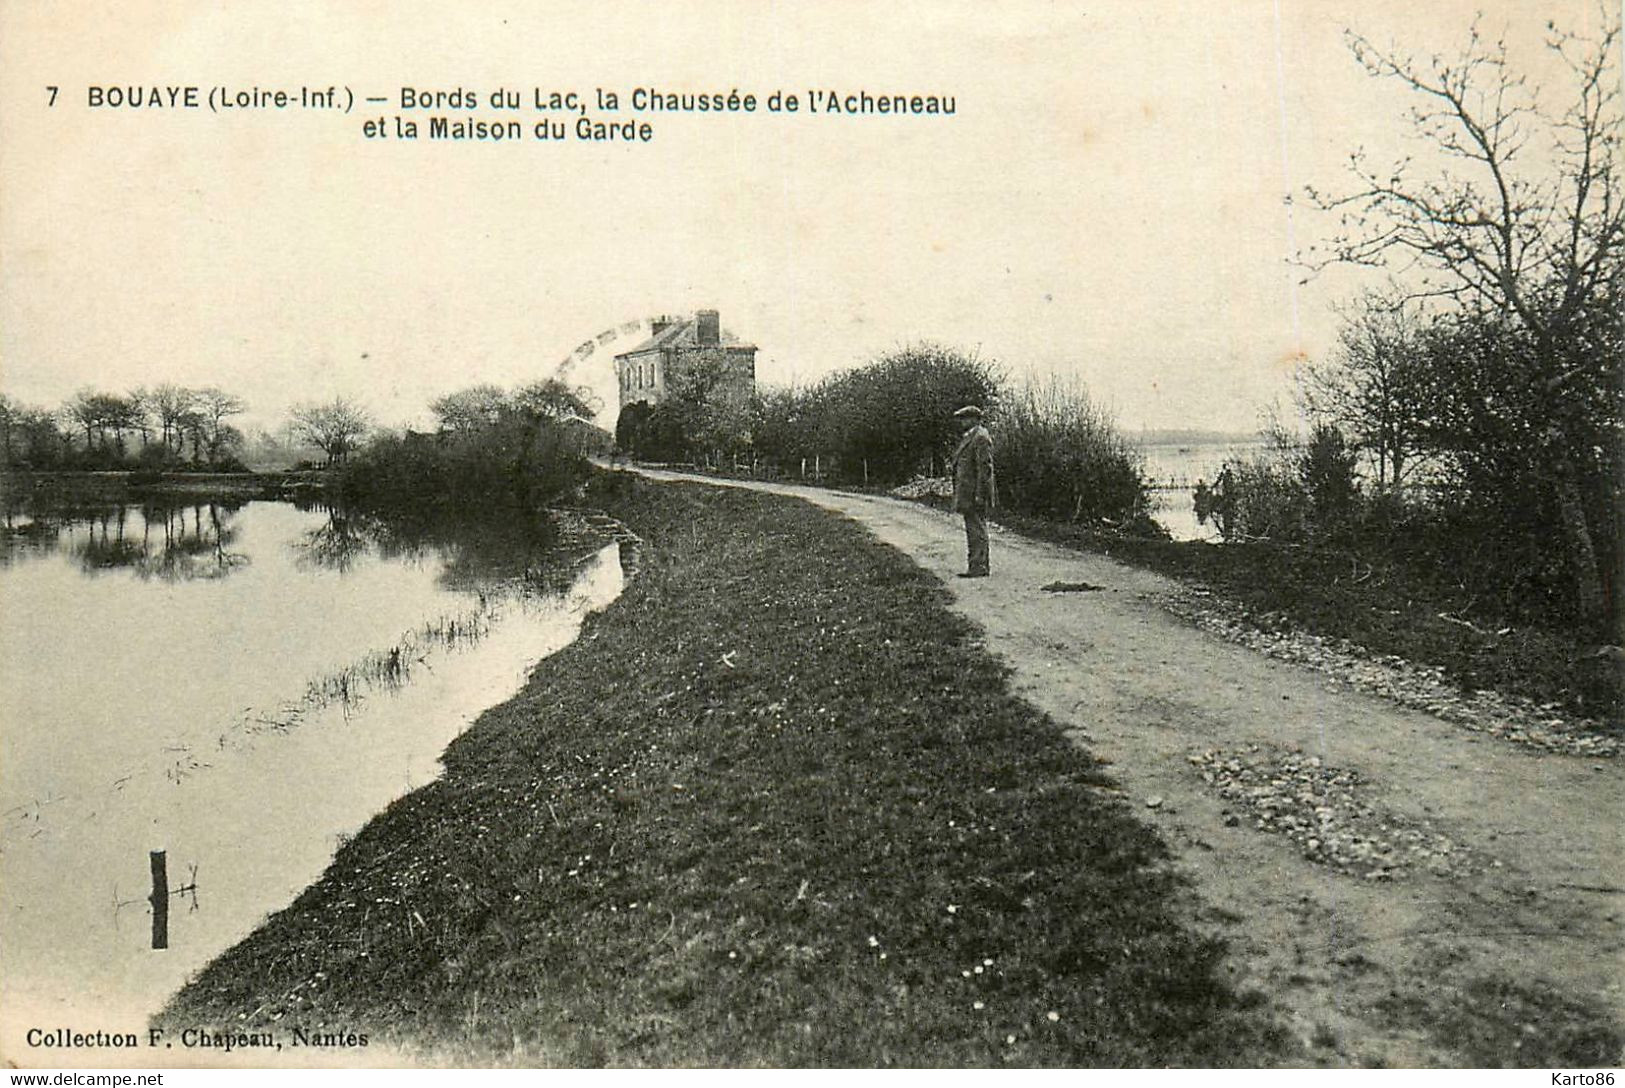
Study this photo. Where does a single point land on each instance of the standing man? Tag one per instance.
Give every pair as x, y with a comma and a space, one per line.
974, 491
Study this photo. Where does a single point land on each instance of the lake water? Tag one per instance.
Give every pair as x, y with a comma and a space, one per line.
239, 687
1174, 469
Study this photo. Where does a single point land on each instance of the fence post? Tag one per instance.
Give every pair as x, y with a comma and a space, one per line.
160, 899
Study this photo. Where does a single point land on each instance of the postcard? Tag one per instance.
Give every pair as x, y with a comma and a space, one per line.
740, 534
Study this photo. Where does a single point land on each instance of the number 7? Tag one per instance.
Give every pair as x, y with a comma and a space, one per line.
52, 102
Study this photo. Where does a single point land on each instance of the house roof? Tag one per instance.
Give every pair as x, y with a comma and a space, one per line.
682, 333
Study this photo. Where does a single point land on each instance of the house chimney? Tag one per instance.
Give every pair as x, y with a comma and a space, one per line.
658, 325
710, 328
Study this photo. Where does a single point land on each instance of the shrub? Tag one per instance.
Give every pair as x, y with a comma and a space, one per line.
881, 423
890, 420
516, 462
1326, 468
1291, 493
1059, 456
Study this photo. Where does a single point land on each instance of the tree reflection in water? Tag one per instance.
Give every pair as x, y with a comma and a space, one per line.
179, 541
336, 544
161, 540
510, 548
199, 550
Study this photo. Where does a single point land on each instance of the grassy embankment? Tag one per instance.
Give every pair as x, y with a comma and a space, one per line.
776, 806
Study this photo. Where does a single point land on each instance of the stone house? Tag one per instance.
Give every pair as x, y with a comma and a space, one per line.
683, 345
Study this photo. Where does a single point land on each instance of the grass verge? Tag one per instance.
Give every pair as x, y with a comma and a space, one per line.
1495, 1022
774, 807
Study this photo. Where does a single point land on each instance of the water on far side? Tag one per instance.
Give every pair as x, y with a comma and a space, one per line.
1173, 470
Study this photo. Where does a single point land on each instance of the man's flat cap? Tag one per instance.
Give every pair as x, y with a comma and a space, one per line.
970, 411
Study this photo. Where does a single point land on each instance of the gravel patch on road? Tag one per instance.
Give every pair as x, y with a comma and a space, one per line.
921, 486
1420, 687
1325, 812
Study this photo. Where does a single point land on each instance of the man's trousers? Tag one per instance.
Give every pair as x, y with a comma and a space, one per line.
976, 542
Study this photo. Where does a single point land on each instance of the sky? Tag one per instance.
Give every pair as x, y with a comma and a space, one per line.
1107, 203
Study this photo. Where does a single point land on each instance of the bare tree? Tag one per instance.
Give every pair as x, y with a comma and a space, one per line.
213, 407
335, 428
30, 435
141, 400
169, 404
86, 409
1373, 386
1517, 216
190, 425
11, 418
121, 414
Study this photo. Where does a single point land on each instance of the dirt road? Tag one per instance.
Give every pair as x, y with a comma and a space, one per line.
1486, 928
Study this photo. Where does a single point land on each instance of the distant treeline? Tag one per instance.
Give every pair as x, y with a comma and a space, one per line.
1191, 436
169, 426
1058, 454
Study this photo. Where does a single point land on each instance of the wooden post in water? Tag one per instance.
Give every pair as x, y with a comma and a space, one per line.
160, 899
